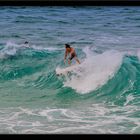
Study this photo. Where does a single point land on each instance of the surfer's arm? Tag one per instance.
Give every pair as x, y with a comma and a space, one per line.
65, 56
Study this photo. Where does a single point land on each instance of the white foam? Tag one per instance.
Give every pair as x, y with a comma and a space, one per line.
95, 71
129, 98
9, 49
45, 48
97, 118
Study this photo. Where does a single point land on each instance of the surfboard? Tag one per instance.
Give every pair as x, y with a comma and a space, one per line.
63, 71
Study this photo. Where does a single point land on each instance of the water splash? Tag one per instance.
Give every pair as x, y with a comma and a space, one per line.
95, 71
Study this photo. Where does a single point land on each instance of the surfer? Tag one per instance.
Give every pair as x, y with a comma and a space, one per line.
26, 44
71, 51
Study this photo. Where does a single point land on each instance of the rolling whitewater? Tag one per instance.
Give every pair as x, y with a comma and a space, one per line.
101, 95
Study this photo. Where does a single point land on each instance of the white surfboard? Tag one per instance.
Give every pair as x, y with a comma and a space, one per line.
63, 71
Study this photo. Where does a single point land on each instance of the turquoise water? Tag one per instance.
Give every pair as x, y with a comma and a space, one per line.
101, 96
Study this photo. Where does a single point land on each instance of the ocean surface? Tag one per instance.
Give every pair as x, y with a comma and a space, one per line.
102, 96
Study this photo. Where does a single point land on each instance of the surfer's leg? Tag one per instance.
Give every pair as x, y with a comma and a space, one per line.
70, 58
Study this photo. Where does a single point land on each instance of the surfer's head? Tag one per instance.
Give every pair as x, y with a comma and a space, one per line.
67, 46
26, 42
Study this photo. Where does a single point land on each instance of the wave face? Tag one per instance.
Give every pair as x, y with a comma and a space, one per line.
101, 95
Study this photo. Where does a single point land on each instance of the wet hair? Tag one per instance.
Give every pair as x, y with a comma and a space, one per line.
25, 42
67, 45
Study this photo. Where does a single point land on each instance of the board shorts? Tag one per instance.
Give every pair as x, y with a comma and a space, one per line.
72, 56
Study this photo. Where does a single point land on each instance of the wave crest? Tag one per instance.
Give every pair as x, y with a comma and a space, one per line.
95, 71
